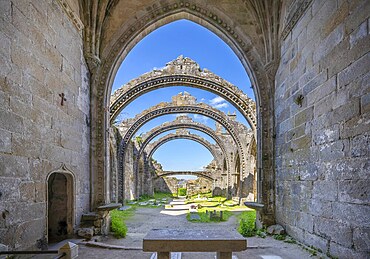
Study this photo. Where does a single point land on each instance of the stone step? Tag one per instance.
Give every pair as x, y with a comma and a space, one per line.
89, 216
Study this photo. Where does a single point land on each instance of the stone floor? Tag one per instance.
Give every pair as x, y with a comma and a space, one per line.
148, 218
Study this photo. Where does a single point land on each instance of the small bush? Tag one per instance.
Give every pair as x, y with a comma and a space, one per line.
247, 223
182, 192
118, 226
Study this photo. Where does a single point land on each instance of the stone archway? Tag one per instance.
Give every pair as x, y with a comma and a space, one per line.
253, 37
213, 149
183, 71
61, 205
203, 174
172, 108
182, 122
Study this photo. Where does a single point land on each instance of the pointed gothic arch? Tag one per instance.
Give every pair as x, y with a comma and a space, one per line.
153, 147
104, 55
183, 71
171, 108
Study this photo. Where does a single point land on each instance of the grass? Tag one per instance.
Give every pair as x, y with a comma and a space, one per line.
162, 195
118, 218
247, 221
157, 197
204, 218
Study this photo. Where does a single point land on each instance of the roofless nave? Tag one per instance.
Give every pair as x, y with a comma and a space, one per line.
308, 62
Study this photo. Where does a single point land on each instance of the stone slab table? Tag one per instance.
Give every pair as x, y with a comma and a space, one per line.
165, 241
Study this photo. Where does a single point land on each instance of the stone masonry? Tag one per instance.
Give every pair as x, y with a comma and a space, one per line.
323, 143
41, 59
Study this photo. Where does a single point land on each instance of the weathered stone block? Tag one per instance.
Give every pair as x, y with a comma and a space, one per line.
334, 231
355, 191
320, 208
309, 172
5, 141
359, 12
359, 33
275, 230
360, 146
356, 214
355, 126
295, 132
355, 70
8, 189
361, 239
333, 39
365, 103
10, 121
296, 232
325, 190
316, 241
27, 191
302, 142
285, 126
14, 166
340, 251
23, 212
303, 116
333, 151
27, 233
26, 147
324, 106
324, 90
305, 221
326, 135
40, 192
87, 233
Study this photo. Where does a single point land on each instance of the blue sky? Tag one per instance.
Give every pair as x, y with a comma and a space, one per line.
154, 51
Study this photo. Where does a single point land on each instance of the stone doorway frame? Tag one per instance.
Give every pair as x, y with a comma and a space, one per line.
71, 198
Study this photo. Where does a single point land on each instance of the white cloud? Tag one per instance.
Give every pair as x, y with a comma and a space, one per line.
201, 118
180, 114
216, 100
221, 105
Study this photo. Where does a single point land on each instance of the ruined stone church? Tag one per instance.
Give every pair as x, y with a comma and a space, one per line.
305, 156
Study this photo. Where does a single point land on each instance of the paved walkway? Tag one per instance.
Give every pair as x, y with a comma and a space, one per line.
148, 218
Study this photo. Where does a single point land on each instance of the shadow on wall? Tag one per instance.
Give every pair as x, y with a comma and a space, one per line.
165, 184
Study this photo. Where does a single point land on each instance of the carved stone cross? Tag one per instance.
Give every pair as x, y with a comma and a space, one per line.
63, 99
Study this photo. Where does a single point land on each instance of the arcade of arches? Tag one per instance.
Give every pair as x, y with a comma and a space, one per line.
305, 155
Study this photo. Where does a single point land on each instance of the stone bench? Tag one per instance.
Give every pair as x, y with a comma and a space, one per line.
165, 241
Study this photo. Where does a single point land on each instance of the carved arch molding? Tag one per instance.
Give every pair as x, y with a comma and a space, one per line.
183, 71
213, 149
170, 108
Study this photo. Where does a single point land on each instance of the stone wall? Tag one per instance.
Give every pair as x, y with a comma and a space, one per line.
165, 184
322, 129
41, 57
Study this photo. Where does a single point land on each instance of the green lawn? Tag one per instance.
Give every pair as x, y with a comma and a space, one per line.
204, 218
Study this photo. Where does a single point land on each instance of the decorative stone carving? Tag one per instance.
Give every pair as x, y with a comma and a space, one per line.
183, 71
295, 13
152, 147
75, 19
